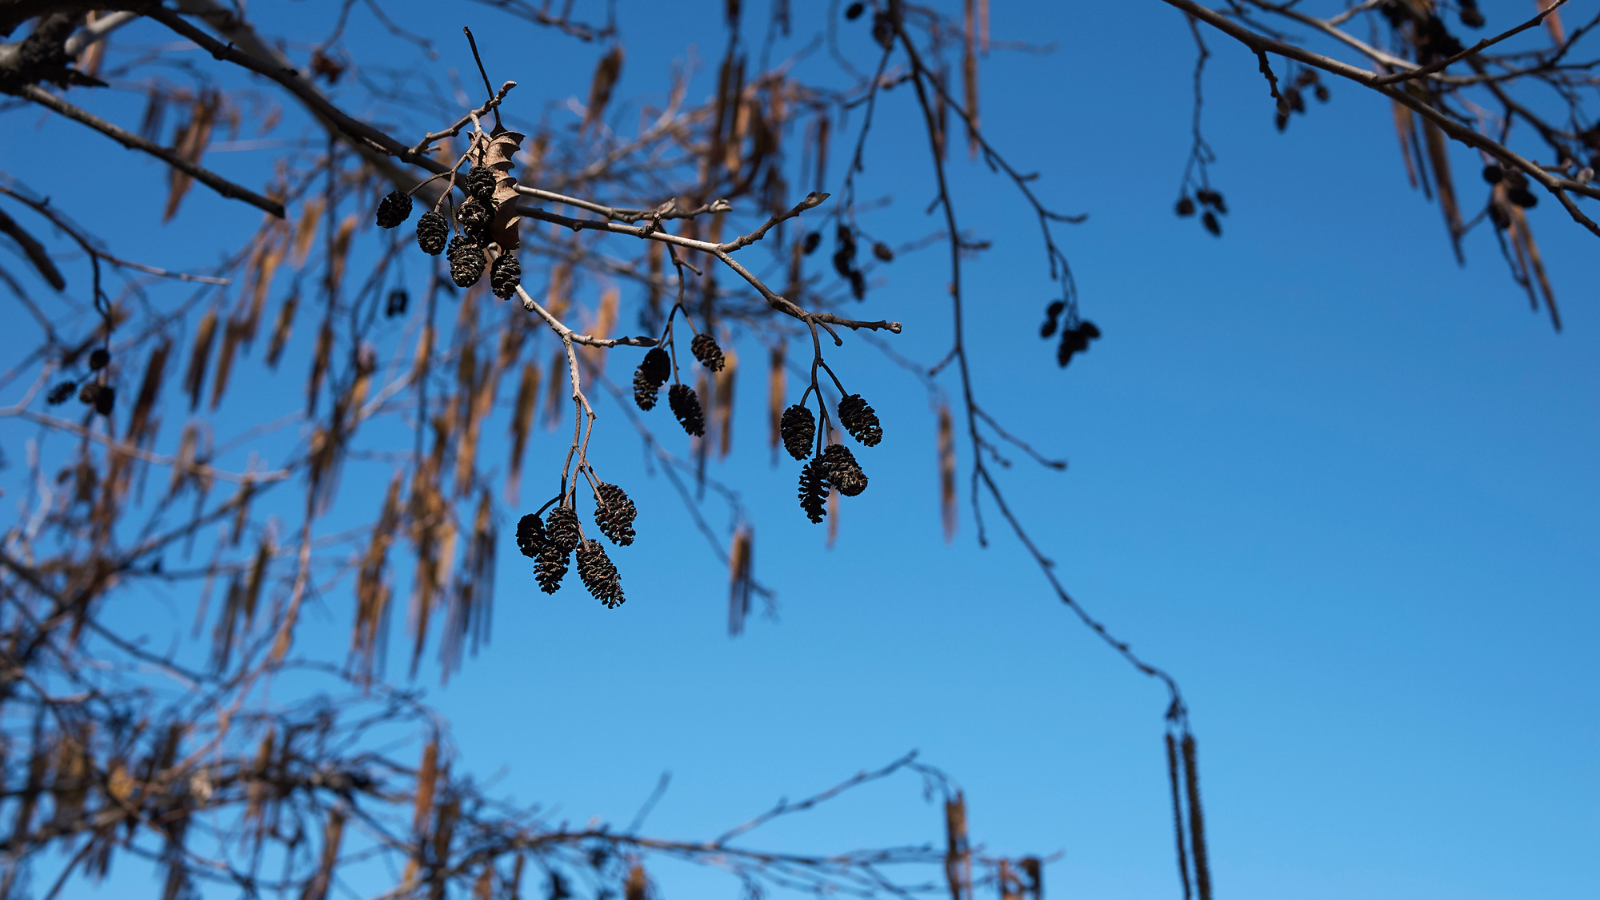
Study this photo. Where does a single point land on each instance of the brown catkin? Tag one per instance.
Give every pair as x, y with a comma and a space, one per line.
1177, 815
1197, 820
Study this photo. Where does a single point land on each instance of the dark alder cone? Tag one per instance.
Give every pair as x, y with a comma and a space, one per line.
810, 245
644, 390
1493, 173
397, 303
614, 513
599, 575
858, 285
858, 418
843, 471
814, 491
1522, 197
474, 218
1075, 340
798, 429
99, 359
432, 232
61, 393
883, 29
530, 536
1185, 207
882, 251
704, 347
466, 261
561, 529
1322, 93
1470, 15
88, 392
1052, 315
854, 11
685, 405
505, 275
652, 372
552, 568
394, 209
106, 400
657, 366
480, 184
1209, 220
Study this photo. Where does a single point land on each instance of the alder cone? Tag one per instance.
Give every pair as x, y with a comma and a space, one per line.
649, 376
798, 428
466, 261
479, 184
644, 390
842, 470
599, 574
530, 536
561, 529
432, 232
99, 359
814, 490
704, 347
474, 218
394, 209
685, 405
61, 393
552, 568
657, 366
505, 275
858, 418
614, 513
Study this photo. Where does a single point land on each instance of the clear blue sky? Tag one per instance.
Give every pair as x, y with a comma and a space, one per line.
1341, 488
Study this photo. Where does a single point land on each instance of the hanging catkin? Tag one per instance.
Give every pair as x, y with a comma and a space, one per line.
1177, 815
1197, 821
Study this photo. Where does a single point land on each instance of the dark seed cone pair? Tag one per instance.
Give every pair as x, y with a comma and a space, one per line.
798, 428
599, 574
1075, 340
814, 491
704, 347
858, 418
505, 275
103, 397
836, 468
648, 378
562, 536
685, 405
614, 513
394, 209
479, 184
530, 536
466, 261
842, 470
432, 233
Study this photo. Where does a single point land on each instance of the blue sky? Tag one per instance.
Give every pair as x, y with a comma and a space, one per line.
1341, 488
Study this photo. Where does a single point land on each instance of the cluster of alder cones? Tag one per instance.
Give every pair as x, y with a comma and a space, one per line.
658, 366
835, 466
551, 542
467, 249
92, 390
